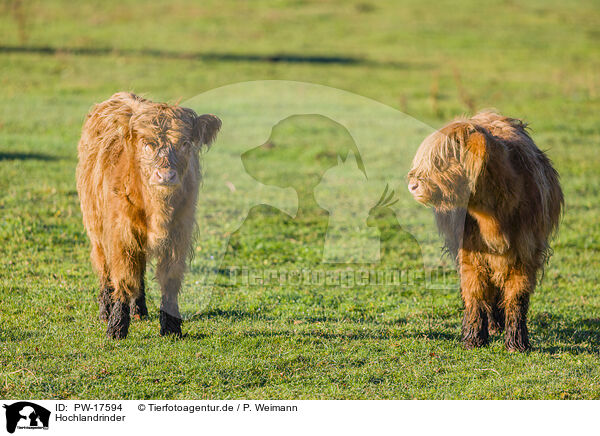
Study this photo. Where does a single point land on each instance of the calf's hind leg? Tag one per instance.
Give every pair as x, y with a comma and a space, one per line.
138, 309
495, 312
106, 288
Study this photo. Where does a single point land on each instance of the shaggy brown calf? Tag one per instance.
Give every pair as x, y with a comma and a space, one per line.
497, 200
137, 178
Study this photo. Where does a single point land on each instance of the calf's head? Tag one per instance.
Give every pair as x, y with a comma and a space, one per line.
447, 166
165, 138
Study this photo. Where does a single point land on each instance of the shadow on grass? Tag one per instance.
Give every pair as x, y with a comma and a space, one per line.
351, 334
26, 156
230, 314
239, 315
554, 334
378, 329
15, 335
292, 58
551, 333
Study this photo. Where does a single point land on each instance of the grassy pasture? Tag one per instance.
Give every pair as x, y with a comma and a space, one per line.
430, 60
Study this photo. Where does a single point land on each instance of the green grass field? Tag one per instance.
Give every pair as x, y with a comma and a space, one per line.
430, 60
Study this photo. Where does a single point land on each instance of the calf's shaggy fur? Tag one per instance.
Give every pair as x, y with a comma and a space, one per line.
137, 179
497, 200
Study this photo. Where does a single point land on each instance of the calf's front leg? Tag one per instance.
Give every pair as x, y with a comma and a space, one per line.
105, 300
118, 321
126, 268
475, 323
517, 290
476, 296
170, 276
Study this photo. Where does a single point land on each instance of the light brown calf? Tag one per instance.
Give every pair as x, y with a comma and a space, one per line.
137, 178
497, 200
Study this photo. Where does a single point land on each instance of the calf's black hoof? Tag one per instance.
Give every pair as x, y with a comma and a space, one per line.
138, 309
474, 342
516, 336
118, 322
475, 336
517, 345
169, 325
105, 312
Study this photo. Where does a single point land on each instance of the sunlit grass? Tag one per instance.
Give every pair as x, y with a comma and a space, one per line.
433, 61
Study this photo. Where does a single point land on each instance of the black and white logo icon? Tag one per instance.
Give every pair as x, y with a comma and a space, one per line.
26, 415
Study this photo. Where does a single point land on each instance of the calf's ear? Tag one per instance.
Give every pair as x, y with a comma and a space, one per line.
207, 127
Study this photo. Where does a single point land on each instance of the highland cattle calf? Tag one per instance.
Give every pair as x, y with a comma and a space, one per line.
137, 179
497, 200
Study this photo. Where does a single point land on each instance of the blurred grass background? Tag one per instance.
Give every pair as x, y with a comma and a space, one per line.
431, 60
